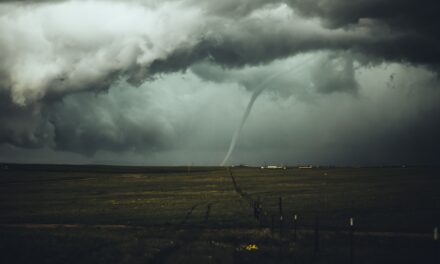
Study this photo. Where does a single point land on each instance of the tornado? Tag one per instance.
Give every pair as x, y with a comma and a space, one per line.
259, 89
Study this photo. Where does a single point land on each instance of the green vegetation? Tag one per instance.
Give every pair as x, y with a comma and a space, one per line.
172, 215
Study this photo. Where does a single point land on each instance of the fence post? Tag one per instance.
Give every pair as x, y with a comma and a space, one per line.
351, 223
280, 205
436, 244
295, 223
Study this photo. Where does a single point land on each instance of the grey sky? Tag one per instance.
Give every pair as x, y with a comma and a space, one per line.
166, 82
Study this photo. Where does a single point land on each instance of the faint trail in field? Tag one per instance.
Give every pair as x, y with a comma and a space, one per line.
239, 191
188, 215
184, 238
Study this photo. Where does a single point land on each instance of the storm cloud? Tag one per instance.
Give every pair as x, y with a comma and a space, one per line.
82, 76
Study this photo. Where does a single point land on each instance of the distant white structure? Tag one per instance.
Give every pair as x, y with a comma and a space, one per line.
306, 167
274, 167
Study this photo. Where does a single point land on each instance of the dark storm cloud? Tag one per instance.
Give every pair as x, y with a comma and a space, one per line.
145, 38
339, 13
412, 25
373, 31
53, 49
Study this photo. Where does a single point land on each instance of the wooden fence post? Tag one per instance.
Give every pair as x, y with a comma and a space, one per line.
351, 223
436, 244
280, 205
295, 225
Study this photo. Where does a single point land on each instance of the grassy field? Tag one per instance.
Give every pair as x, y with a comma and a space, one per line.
99, 214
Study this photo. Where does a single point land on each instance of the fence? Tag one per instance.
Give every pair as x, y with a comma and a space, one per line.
285, 226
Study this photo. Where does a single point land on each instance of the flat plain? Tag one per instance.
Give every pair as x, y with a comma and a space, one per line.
109, 214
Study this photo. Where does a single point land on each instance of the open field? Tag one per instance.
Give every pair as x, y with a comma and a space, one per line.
99, 214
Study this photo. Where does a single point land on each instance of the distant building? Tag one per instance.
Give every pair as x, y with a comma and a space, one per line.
306, 167
274, 167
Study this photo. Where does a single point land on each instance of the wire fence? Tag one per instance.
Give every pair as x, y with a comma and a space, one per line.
286, 225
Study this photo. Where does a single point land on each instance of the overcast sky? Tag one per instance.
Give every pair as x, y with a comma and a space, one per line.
167, 82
